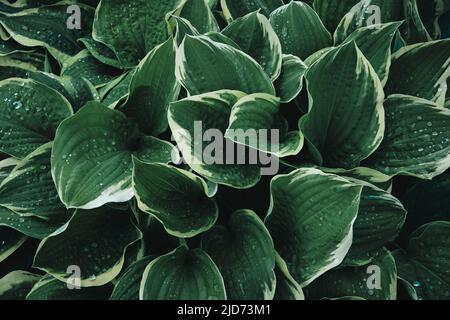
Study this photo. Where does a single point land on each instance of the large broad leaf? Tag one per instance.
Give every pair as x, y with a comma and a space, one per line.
417, 139
427, 201
152, 88
311, 219
375, 43
29, 115
287, 287
198, 13
256, 37
331, 12
256, 121
47, 26
10, 241
244, 253
425, 265
30, 226
227, 68
380, 219
194, 269
300, 30
345, 123
367, 13
92, 156
95, 241
29, 189
49, 288
427, 79
290, 82
175, 197
133, 32
377, 281
190, 120
84, 65
127, 287
16, 285
233, 9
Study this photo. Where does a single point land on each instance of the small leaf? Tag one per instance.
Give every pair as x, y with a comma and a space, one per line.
95, 241
29, 190
200, 277
256, 37
425, 263
244, 253
377, 281
16, 285
175, 197
190, 119
29, 115
233, 9
290, 82
10, 241
255, 119
198, 13
300, 30
427, 79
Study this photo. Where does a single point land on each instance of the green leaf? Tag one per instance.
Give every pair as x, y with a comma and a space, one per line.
253, 121
84, 65
287, 287
256, 37
29, 115
359, 281
33, 61
233, 9
182, 28
127, 287
331, 12
290, 82
425, 263
375, 43
427, 79
92, 156
47, 26
16, 285
94, 240
380, 219
192, 267
227, 68
417, 138
365, 14
427, 201
6, 166
152, 88
133, 32
101, 51
29, 190
190, 118
117, 90
244, 253
198, 13
345, 123
77, 91
49, 288
311, 219
300, 30
30, 226
175, 197
10, 241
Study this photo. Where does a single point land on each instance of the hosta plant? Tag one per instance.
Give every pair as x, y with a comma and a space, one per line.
129, 171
